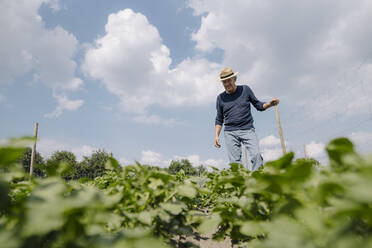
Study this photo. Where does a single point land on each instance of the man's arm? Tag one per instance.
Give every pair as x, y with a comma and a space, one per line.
217, 136
273, 102
255, 102
219, 122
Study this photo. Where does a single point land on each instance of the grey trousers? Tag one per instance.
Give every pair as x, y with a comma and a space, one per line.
234, 141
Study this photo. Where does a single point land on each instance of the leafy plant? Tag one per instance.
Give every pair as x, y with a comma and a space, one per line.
287, 203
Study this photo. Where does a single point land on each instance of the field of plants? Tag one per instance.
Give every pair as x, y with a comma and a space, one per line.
289, 203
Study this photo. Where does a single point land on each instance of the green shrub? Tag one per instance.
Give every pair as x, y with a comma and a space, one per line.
183, 164
93, 166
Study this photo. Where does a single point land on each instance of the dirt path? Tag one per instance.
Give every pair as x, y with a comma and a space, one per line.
206, 241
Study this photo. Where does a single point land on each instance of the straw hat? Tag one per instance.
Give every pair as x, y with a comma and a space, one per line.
227, 73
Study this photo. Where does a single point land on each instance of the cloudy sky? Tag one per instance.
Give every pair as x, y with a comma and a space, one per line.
138, 78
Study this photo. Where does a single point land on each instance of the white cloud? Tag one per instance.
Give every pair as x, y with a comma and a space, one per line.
157, 159
32, 48
133, 63
362, 140
322, 59
277, 47
361, 137
350, 96
54, 4
270, 154
154, 119
218, 163
47, 147
153, 158
270, 148
196, 161
316, 150
83, 151
124, 161
270, 140
64, 104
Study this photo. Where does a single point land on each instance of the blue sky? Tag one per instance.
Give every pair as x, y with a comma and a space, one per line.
138, 78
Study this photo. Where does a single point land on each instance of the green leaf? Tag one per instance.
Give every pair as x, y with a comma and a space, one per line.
112, 164
186, 190
8, 239
282, 162
252, 228
44, 210
155, 183
135, 233
165, 177
210, 225
360, 191
311, 217
139, 242
13, 149
164, 216
4, 197
234, 180
145, 217
235, 167
9, 155
286, 232
337, 149
111, 200
174, 209
300, 171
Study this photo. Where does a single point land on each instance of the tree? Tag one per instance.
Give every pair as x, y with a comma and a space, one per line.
93, 166
25, 160
154, 168
201, 169
185, 165
60, 157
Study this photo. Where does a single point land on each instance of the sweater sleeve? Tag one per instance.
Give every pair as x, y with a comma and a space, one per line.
256, 103
219, 116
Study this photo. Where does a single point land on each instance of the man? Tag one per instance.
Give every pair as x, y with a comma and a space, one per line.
234, 111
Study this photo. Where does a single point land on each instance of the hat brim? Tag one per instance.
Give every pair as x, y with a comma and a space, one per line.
233, 75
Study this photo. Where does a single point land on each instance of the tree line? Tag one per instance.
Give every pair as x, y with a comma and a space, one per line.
92, 166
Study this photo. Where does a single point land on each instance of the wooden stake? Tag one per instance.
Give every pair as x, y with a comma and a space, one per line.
305, 153
280, 129
33, 153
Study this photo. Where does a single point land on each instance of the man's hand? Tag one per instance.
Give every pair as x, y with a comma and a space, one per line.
217, 142
217, 135
273, 102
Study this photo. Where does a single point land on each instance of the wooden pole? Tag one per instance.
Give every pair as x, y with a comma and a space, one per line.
305, 153
280, 129
33, 153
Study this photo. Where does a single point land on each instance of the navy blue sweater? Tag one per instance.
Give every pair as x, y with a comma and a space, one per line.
234, 110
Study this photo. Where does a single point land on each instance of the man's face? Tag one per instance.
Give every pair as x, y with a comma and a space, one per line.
229, 85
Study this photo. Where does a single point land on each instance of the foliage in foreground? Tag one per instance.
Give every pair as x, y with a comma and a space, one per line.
286, 204
293, 204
